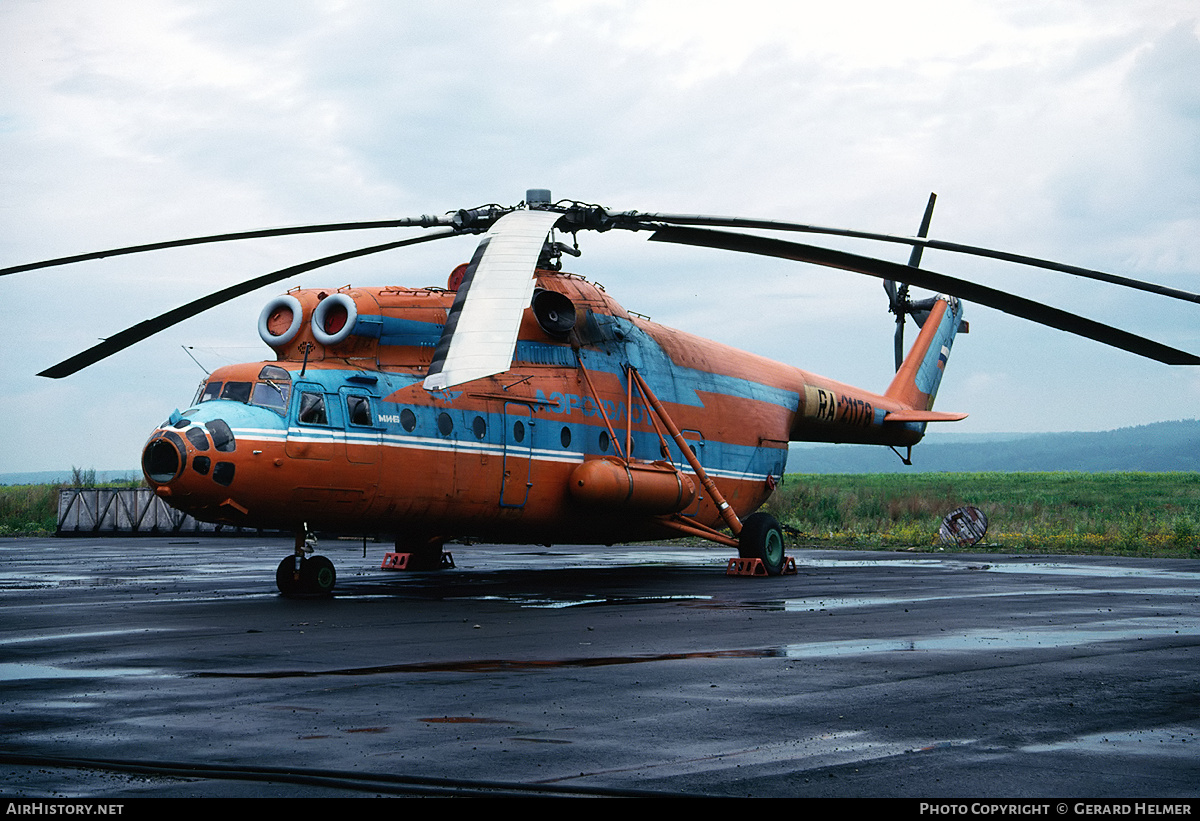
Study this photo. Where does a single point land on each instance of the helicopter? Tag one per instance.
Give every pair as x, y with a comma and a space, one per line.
521, 403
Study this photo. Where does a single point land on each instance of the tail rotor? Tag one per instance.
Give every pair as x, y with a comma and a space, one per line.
899, 302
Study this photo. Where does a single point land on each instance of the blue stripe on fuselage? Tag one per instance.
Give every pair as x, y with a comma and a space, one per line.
672, 382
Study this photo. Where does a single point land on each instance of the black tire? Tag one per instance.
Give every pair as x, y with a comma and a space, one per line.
285, 576
762, 538
317, 576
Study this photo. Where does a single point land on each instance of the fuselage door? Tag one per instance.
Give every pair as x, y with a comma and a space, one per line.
363, 433
311, 432
517, 479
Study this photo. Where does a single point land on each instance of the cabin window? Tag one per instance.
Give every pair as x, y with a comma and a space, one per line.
565, 437
519, 431
312, 409
604, 441
479, 427
445, 423
408, 419
358, 410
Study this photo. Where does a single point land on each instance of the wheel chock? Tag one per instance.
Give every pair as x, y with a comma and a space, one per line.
755, 567
399, 561
395, 561
745, 567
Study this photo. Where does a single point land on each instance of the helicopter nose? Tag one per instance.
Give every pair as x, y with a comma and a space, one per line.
163, 458
187, 456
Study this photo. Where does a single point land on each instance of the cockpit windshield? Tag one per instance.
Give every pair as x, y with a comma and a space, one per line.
271, 390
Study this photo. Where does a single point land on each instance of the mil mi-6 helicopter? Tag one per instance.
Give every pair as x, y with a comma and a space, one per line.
523, 404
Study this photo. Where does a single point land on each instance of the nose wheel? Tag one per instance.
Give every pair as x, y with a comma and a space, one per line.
305, 575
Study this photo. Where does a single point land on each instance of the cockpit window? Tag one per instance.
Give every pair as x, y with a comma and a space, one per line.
236, 392
273, 395
273, 390
274, 373
210, 391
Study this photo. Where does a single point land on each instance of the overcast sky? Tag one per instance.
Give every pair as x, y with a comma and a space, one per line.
1067, 130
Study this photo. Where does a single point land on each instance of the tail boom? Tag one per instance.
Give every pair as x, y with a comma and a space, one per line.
833, 412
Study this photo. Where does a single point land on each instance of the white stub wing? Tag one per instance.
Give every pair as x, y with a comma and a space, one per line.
481, 329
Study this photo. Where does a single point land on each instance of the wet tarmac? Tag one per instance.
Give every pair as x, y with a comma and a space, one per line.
171, 667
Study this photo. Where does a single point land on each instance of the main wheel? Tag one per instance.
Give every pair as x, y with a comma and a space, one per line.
762, 538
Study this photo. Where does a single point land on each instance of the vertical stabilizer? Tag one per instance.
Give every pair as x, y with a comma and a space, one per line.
916, 383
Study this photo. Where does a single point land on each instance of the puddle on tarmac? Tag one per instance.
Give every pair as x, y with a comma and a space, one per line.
28, 672
1152, 741
1035, 567
498, 665
85, 635
560, 604
836, 603
1125, 630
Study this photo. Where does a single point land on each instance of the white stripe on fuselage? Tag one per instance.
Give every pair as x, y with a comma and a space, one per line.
391, 440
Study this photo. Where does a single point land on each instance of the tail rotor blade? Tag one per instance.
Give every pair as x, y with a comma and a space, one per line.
900, 302
914, 259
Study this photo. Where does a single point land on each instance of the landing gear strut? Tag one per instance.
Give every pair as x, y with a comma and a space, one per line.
305, 575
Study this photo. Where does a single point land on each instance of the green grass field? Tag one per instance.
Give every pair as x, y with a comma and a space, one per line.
1127, 514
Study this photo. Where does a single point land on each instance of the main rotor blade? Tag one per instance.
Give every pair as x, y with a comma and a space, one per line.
129, 336
425, 221
941, 245
924, 278
482, 326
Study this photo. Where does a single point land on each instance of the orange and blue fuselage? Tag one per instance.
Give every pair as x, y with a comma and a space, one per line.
338, 434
